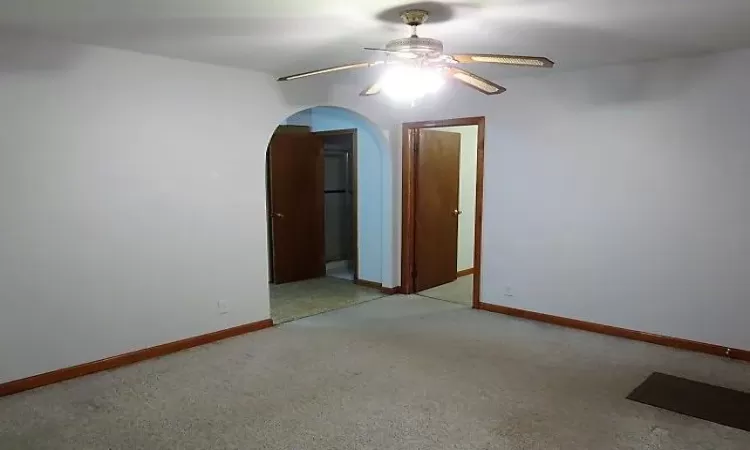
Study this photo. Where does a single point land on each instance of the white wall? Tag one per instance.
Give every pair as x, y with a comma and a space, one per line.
303, 118
619, 194
132, 197
467, 190
131, 202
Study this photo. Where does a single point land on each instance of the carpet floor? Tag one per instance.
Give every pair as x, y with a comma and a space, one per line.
458, 291
393, 373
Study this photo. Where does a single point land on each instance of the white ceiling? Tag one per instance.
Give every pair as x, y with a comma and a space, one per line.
283, 36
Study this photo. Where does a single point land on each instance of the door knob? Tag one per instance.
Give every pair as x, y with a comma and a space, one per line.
278, 215
457, 212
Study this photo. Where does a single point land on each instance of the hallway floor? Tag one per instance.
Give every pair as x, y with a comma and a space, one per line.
340, 269
400, 372
290, 301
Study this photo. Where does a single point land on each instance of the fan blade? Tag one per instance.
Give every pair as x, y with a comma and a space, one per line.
475, 81
511, 60
378, 50
329, 70
373, 89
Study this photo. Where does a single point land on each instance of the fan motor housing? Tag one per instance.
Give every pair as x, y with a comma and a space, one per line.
416, 45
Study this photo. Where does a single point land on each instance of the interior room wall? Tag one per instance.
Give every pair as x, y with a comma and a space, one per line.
617, 194
467, 189
132, 199
303, 118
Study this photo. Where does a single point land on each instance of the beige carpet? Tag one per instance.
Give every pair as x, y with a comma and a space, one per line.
394, 373
457, 291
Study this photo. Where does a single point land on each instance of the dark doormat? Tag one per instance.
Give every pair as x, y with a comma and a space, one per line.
703, 401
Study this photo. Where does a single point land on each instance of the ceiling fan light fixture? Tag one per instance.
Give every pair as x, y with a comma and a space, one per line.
417, 66
404, 83
405, 55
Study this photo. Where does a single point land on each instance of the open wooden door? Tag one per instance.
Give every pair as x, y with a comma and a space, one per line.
295, 182
438, 157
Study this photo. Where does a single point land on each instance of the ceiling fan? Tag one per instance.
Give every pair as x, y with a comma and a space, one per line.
418, 63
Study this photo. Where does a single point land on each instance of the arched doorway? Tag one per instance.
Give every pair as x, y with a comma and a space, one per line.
325, 203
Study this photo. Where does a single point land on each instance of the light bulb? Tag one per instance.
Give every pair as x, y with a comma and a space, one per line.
410, 83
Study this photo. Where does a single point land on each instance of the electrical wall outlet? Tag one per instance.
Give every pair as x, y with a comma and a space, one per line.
222, 306
508, 291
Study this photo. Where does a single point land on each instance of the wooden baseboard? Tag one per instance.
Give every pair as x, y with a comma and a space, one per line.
668, 341
378, 286
55, 376
391, 290
368, 283
463, 273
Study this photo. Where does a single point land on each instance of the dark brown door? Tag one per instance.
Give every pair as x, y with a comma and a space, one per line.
296, 206
436, 208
